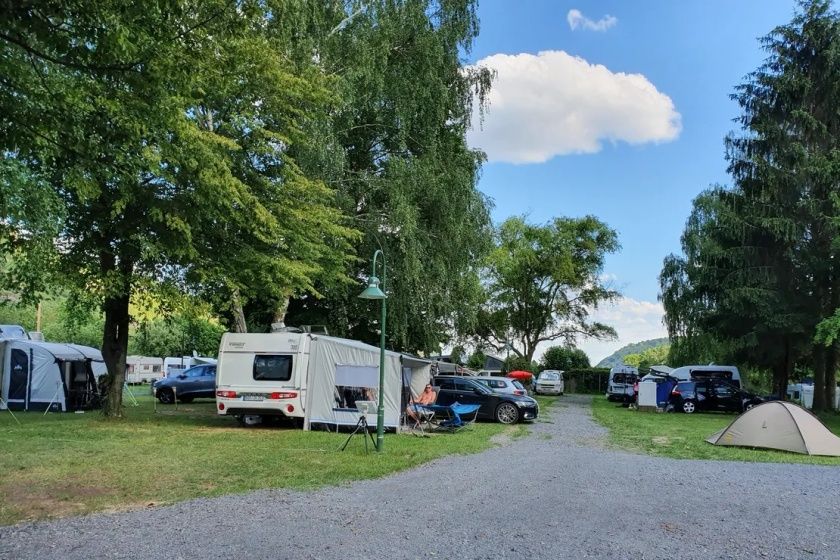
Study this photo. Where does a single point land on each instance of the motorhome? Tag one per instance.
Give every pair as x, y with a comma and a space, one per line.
620, 383
692, 373
312, 379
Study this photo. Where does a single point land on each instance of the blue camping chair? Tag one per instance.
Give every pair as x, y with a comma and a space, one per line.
456, 416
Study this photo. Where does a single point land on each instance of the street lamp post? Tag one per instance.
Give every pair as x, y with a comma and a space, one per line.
373, 291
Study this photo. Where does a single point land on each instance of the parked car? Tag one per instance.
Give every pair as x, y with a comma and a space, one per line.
502, 384
501, 407
550, 382
711, 395
194, 383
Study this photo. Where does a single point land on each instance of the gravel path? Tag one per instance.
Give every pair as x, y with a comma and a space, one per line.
584, 501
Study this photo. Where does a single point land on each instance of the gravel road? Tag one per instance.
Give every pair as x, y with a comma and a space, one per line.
583, 501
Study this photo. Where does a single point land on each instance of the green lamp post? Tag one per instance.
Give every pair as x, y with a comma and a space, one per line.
373, 291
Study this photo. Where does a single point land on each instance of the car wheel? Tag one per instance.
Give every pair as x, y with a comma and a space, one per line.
689, 407
748, 406
166, 396
507, 413
185, 400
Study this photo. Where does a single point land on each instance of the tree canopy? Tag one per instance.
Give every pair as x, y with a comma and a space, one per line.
758, 280
542, 281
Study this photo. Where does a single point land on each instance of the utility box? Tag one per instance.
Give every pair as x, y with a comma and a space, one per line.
647, 395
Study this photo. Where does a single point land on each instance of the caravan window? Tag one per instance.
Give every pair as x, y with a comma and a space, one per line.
624, 378
272, 368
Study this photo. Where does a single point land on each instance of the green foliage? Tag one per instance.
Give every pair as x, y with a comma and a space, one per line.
477, 360
759, 270
177, 336
564, 358
542, 281
657, 355
395, 151
617, 357
520, 363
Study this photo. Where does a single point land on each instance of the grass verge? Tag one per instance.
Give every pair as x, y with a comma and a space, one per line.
683, 436
68, 464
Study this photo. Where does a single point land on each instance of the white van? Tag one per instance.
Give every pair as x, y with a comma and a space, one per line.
312, 379
621, 381
692, 373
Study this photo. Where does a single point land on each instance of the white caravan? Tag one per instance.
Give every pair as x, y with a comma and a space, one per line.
143, 369
176, 365
312, 379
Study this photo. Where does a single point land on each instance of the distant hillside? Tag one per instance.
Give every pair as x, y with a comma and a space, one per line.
615, 359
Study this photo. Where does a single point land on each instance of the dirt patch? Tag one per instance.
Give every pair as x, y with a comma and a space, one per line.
505, 437
52, 500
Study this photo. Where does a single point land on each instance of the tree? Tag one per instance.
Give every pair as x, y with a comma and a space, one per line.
761, 269
565, 358
395, 150
168, 170
542, 281
657, 355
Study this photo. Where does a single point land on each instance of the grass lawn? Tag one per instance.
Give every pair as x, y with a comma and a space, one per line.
683, 436
66, 464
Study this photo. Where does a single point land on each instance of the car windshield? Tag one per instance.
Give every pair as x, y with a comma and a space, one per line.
549, 377
624, 378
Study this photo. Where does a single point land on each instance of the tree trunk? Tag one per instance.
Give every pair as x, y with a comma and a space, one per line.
831, 377
282, 309
239, 324
819, 377
781, 373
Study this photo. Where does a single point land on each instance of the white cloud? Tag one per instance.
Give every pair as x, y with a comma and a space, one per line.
634, 320
577, 20
552, 103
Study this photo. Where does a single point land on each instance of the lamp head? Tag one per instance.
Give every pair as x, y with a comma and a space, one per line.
373, 291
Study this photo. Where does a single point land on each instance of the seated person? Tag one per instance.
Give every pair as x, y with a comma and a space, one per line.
428, 396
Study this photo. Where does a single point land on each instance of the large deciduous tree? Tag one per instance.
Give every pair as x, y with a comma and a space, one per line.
165, 129
542, 281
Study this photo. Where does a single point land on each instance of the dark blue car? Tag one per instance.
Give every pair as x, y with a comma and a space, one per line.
194, 383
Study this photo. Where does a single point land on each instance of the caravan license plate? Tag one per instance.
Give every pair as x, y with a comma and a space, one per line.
252, 397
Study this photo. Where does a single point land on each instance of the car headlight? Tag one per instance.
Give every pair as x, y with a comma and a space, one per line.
522, 404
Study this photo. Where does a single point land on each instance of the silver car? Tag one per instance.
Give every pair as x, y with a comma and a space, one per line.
502, 385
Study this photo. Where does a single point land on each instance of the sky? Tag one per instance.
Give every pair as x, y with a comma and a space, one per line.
619, 110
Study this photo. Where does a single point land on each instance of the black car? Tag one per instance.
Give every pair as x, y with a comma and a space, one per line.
711, 395
194, 383
501, 407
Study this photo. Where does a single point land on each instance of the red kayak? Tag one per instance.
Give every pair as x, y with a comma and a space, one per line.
521, 375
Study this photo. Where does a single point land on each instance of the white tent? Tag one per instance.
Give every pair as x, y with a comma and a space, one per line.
45, 375
779, 425
343, 372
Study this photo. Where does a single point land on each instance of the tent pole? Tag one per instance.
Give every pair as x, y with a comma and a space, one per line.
10, 410
52, 400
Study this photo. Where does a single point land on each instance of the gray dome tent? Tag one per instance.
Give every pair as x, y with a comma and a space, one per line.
779, 425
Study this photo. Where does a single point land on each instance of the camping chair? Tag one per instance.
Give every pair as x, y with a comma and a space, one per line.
457, 416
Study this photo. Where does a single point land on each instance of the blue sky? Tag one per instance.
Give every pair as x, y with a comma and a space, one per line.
622, 117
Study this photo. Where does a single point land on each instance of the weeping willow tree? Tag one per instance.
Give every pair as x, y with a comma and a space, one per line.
395, 150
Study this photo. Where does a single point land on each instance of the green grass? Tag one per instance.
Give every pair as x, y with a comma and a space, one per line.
683, 436
67, 464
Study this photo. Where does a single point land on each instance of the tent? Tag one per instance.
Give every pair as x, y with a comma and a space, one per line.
779, 425
342, 372
48, 376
